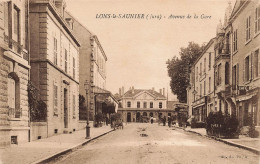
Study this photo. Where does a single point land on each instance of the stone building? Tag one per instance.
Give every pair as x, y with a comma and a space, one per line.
14, 68
245, 39
54, 67
92, 70
201, 90
139, 105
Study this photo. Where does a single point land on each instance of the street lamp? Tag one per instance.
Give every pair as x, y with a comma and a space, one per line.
86, 85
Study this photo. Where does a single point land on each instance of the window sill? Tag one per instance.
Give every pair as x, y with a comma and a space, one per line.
235, 52
15, 119
248, 41
256, 34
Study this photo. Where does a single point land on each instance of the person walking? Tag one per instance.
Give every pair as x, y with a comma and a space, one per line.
151, 120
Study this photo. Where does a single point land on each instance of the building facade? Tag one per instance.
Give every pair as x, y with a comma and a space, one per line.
201, 89
236, 64
245, 23
92, 70
139, 105
14, 67
55, 64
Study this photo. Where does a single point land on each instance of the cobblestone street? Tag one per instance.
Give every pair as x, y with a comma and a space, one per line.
146, 143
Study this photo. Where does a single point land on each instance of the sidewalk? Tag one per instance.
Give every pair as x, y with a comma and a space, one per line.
244, 142
40, 150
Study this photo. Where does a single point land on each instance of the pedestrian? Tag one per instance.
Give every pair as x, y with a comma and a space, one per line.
169, 121
164, 121
151, 120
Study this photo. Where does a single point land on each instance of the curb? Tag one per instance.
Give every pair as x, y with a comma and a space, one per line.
253, 150
56, 155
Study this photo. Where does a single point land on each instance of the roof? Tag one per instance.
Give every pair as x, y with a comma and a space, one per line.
100, 91
135, 92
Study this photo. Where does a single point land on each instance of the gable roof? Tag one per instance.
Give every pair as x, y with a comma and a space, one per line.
135, 92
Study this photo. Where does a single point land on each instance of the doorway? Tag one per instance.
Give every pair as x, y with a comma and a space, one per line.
65, 108
128, 117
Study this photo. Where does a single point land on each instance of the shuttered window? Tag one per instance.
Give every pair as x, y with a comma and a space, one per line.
256, 63
66, 60
74, 68
248, 28
257, 19
55, 47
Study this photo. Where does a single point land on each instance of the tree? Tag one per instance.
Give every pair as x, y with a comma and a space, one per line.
179, 69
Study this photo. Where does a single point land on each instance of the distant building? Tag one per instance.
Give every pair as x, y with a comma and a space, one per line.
92, 70
54, 67
14, 76
139, 105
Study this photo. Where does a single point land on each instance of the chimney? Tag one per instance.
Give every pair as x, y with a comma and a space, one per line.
60, 6
163, 91
160, 91
153, 90
123, 91
133, 89
120, 92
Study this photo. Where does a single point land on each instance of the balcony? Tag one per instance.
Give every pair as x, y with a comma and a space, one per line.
16, 47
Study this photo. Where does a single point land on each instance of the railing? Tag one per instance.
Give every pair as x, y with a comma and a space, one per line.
14, 113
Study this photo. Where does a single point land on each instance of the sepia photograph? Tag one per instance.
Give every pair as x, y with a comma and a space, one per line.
129, 82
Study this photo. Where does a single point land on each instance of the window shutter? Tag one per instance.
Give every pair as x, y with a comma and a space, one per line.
237, 74
250, 66
244, 65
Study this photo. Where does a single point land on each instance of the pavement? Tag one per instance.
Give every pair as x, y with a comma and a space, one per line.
41, 151
244, 142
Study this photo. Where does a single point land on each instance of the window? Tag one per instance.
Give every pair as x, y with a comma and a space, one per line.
55, 99
74, 106
204, 87
151, 104
160, 105
16, 24
200, 69
74, 72
66, 61
235, 71
219, 75
248, 24
197, 73
235, 40
14, 95
138, 104
204, 65
145, 104
11, 93
209, 60
55, 47
256, 67
227, 73
246, 69
257, 19
128, 104
200, 90
209, 84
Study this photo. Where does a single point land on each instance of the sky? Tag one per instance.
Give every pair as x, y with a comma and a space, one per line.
137, 49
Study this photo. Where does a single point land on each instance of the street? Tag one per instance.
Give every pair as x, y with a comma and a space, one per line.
150, 143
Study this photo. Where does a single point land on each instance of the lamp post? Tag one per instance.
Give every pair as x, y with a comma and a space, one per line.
86, 85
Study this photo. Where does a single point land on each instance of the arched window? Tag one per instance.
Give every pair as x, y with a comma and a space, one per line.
138, 104
14, 95
151, 104
128, 104
160, 105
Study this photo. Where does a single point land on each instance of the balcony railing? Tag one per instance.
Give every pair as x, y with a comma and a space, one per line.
15, 113
224, 49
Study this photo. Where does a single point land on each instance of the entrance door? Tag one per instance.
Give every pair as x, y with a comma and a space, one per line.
138, 117
65, 108
128, 117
